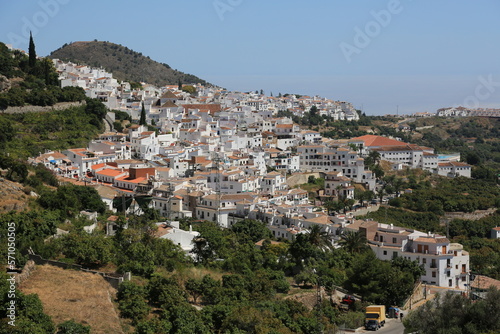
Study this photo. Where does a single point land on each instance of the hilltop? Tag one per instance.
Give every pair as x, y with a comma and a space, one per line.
124, 63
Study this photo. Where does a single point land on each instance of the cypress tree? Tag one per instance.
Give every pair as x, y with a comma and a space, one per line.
142, 120
31, 54
180, 84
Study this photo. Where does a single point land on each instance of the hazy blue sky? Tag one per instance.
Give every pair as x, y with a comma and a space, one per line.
420, 55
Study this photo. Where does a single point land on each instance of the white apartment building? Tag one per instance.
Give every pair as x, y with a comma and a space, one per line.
410, 155
446, 264
454, 169
318, 158
338, 185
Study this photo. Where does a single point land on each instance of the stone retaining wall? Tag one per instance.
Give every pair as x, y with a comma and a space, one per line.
113, 279
57, 106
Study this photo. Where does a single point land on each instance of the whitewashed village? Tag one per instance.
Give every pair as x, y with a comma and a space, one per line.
224, 156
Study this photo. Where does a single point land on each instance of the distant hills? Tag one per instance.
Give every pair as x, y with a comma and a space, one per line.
124, 63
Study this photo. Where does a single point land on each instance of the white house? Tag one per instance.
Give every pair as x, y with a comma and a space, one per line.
453, 169
446, 264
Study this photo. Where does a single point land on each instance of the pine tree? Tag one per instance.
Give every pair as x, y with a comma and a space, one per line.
31, 53
180, 84
142, 120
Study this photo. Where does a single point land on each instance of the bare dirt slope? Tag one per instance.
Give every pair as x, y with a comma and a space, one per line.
12, 196
69, 294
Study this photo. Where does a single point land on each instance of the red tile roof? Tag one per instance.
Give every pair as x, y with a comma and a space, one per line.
372, 140
109, 172
212, 107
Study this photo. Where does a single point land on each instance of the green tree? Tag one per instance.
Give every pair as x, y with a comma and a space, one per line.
142, 120
189, 89
195, 288
31, 54
132, 301
366, 277
88, 250
30, 317
153, 326
353, 242
254, 229
246, 319
319, 238
454, 313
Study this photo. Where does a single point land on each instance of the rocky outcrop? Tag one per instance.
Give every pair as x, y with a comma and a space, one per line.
12, 196
4, 83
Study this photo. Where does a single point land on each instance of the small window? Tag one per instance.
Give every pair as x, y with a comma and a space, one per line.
394, 240
385, 252
433, 274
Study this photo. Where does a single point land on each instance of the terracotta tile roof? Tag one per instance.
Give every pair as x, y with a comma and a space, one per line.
127, 179
372, 140
432, 240
324, 220
169, 104
453, 164
168, 95
485, 282
284, 126
109, 172
212, 107
94, 167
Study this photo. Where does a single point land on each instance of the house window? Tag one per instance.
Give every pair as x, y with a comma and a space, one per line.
433, 274
393, 240
385, 252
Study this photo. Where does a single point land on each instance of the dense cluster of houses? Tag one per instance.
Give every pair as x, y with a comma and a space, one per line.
223, 156
468, 112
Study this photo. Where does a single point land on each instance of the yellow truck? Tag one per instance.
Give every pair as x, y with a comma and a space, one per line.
375, 317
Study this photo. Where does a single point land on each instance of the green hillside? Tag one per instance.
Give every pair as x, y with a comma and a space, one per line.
124, 63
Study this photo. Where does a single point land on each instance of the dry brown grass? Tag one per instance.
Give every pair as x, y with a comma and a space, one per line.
69, 294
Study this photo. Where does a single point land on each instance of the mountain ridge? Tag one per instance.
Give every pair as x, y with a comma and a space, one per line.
125, 64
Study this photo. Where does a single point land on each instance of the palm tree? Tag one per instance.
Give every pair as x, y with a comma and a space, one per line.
353, 242
319, 238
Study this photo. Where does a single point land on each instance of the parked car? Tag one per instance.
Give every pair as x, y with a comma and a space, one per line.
372, 325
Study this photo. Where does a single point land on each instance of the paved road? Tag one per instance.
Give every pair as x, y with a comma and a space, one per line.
392, 326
